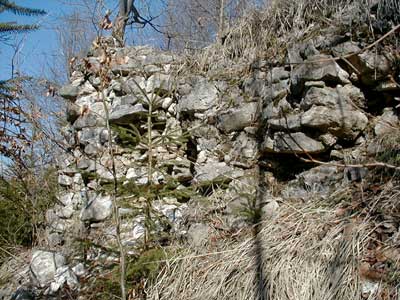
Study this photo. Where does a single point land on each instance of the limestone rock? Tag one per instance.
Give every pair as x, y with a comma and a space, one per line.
127, 114
237, 119
290, 122
44, 265
296, 142
346, 124
198, 234
387, 122
203, 96
341, 97
69, 92
212, 172
98, 209
317, 68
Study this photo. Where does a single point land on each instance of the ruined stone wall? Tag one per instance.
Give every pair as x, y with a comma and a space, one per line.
235, 135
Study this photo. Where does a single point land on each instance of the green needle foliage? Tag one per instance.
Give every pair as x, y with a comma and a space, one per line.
12, 27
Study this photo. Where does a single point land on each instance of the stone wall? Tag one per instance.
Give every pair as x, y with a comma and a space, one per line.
228, 137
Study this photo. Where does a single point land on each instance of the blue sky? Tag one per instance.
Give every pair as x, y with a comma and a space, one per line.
39, 47
36, 46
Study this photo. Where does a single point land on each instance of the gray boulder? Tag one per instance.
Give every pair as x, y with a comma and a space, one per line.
346, 124
316, 182
98, 209
239, 118
202, 97
44, 265
387, 122
341, 97
69, 92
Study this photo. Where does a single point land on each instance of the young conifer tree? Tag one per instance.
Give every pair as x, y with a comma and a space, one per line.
11, 114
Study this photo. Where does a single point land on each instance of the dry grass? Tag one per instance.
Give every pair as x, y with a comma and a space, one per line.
304, 253
267, 33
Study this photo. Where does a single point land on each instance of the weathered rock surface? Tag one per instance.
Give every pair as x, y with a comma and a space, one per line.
238, 119
203, 96
296, 142
44, 266
346, 124
128, 114
317, 68
98, 209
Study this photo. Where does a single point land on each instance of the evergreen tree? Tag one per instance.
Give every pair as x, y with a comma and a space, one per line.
11, 27
13, 136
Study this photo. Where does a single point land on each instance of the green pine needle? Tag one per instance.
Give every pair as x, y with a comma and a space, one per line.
19, 10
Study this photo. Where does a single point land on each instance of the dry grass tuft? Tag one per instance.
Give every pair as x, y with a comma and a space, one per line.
267, 33
304, 253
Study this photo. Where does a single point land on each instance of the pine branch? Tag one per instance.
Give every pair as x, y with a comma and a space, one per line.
6, 28
20, 10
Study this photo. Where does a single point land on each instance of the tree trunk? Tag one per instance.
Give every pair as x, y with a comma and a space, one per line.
118, 33
221, 24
